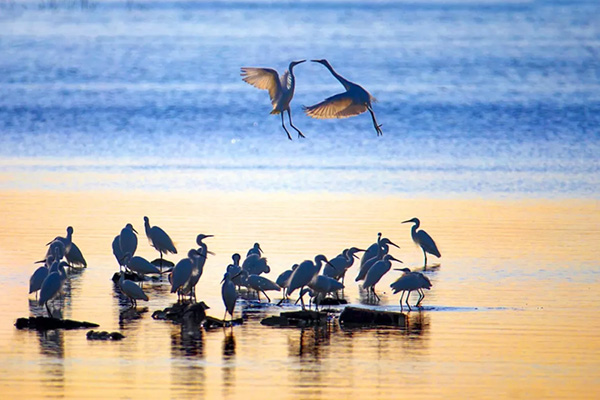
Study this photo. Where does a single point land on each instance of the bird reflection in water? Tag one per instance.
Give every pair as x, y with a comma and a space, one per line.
309, 342
228, 361
52, 346
187, 348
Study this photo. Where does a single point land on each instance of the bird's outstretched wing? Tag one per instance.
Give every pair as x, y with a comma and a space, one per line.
262, 78
339, 106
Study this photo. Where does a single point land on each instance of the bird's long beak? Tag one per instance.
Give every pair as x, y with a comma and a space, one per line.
408, 220
134, 229
39, 262
355, 256
395, 259
211, 253
260, 250
300, 62
394, 244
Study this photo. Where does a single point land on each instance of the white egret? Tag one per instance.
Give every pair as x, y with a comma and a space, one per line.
75, 257
235, 269
355, 100
322, 285
338, 265
283, 279
409, 282
229, 294
281, 90
159, 239
128, 240
52, 285
262, 284
182, 271
131, 290
423, 239
256, 265
116, 248
65, 240
364, 269
307, 270
140, 265
36, 280
372, 249
255, 250
377, 271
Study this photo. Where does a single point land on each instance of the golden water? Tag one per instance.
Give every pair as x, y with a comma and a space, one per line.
514, 311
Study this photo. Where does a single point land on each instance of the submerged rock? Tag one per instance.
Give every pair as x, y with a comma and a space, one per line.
366, 316
97, 335
296, 318
212, 322
46, 323
182, 312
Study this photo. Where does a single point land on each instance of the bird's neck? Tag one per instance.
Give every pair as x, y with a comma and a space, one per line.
337, 76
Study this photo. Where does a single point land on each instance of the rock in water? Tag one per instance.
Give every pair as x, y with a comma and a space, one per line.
366, 316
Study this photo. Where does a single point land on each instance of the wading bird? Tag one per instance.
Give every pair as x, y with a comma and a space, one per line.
261, 284
281, 90
409, 282
182, 272
52, 285
131, 290
284, 278
307, 270
65, 240
423, 239
229, 294
355, 100
128, 240
376, 272
255, 250
36, 280
159, 239
322, 285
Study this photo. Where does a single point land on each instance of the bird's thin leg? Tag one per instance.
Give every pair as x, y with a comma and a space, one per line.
401, 296
375, 294
302, 298
284, 128
224, 316
292, 125
425, 262
407, 296
268, 299
421, 297
49, 312
375, 124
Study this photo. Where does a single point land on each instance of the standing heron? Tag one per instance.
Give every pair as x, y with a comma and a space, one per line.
423, 239
255, 250
409, 282
281, 90
52, 285
131, 290
261, 284
229, 294
65, 240
376, 272
284, 279
307, 270
159, 239
128, 240
323, 285
355, 100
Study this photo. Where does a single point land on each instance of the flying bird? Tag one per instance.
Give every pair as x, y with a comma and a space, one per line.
281, 89
355, 100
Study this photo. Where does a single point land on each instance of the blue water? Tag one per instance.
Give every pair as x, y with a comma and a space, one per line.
498, 99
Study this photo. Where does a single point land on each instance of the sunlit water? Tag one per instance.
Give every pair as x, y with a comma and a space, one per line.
490, 116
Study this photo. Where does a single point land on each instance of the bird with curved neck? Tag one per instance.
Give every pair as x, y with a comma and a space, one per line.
281, 89
354, 101
423, 239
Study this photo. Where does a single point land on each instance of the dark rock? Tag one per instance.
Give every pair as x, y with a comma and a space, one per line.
97, 335
178, 312
330, 301
366, 316
297, 318
212, 322
45, 323
128, 276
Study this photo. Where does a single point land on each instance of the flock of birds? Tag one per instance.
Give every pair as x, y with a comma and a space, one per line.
354, 101
306, 277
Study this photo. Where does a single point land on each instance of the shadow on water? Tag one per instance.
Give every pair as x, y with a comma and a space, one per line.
52, 346
228, 368
188, 378
309, 342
